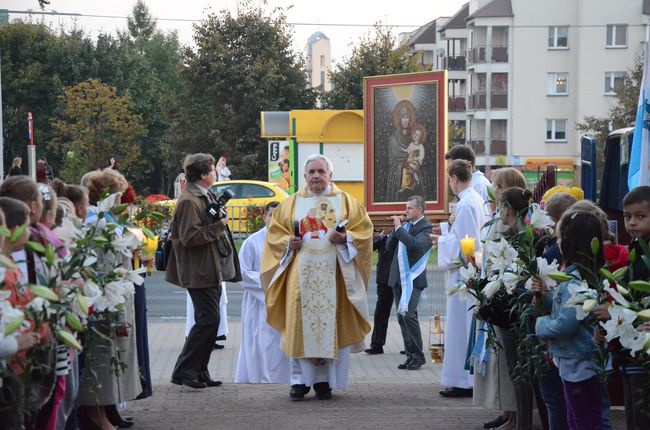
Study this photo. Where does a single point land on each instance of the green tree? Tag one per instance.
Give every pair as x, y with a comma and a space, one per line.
623, 114
29, 84
240, 67
375, 55
95, 123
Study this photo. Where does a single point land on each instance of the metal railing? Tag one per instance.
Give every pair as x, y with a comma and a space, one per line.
455, 63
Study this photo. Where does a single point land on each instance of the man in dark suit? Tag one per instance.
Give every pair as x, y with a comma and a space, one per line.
411, 243
384, 294
201, 258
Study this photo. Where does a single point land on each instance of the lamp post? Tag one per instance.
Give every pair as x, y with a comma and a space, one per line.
31, 148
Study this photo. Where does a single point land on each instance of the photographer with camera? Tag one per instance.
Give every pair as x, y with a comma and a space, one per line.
202, 256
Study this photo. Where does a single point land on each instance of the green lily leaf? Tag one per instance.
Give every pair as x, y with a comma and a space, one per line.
69, 339
560, 276
619, 273
640, 286
35, 246
7, 262
607, 275
595, 246
18, 232
44, 292
148, 233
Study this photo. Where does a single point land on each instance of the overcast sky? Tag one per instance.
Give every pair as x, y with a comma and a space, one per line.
405, 12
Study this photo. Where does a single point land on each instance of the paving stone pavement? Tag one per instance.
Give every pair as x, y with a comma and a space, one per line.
379, 395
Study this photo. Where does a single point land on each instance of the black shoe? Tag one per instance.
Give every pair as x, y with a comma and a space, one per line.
402, 352
497, 422
114, 417
323, 390
217, 346
456, 392
298, 391
415, 365
373, 351
207, 380
222, 337
192, 383
406, 364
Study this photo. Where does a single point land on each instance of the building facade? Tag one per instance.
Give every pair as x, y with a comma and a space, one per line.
529, 70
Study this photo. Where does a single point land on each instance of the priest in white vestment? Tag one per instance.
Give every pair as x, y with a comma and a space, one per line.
260, 361
316, 288
470, 217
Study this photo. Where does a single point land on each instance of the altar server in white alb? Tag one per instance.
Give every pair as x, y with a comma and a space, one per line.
261, 361
470, 217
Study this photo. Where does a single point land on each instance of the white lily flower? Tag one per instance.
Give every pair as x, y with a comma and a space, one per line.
500, 255
539, 218
510, 279
109, 202
132, 276
124, 244
632, 340
491, 287
620, 323
618, 297
92, 291
468, 272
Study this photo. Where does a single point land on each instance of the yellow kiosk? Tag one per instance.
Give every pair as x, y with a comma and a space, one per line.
295, 135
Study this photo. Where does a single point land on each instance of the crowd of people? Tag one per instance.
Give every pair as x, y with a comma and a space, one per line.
73, 333
542, 303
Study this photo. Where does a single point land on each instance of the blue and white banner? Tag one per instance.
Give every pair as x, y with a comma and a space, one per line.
639, 167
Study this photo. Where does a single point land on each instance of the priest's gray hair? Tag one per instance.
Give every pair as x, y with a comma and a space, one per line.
315, 157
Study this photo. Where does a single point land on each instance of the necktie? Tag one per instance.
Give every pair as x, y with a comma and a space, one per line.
211, 197
407, 226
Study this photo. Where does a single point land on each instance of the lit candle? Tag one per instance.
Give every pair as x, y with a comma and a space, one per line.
468, 245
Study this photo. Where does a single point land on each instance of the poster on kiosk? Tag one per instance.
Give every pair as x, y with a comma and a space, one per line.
280, 162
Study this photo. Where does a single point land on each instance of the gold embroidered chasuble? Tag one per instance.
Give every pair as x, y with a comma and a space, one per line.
314, 298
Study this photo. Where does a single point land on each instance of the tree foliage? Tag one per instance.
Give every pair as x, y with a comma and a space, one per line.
241, 65
375, 55
95, 124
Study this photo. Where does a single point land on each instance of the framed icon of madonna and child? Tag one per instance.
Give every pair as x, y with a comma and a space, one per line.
405, 140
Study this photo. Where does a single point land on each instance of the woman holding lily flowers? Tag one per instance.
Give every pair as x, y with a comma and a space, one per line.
118, 383
493, 388
509, 304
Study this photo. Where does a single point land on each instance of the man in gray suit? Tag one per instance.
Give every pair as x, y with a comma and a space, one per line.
408, 275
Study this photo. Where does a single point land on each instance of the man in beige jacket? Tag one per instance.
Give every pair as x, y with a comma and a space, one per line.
202, 257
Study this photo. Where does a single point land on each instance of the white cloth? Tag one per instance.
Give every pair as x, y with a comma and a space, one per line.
309, 371
260, 359
470, 217
481, 184
223, 174
223, 313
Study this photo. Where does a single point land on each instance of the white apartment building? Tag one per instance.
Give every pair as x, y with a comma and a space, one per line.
319, 60
535, 68
423, 44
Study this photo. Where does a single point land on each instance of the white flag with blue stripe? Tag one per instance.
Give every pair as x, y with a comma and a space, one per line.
639, 167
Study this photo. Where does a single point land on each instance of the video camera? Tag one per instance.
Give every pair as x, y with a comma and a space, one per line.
217, 210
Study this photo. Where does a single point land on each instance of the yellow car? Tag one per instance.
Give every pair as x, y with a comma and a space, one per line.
257, 193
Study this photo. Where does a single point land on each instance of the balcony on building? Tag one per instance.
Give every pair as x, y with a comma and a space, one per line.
457, 63
489, 46
482, 146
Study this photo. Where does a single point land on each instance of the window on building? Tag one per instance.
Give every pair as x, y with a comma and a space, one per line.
616, 36
558, 84
613, 82
322, 79
322, 61
558, 37
556, 130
